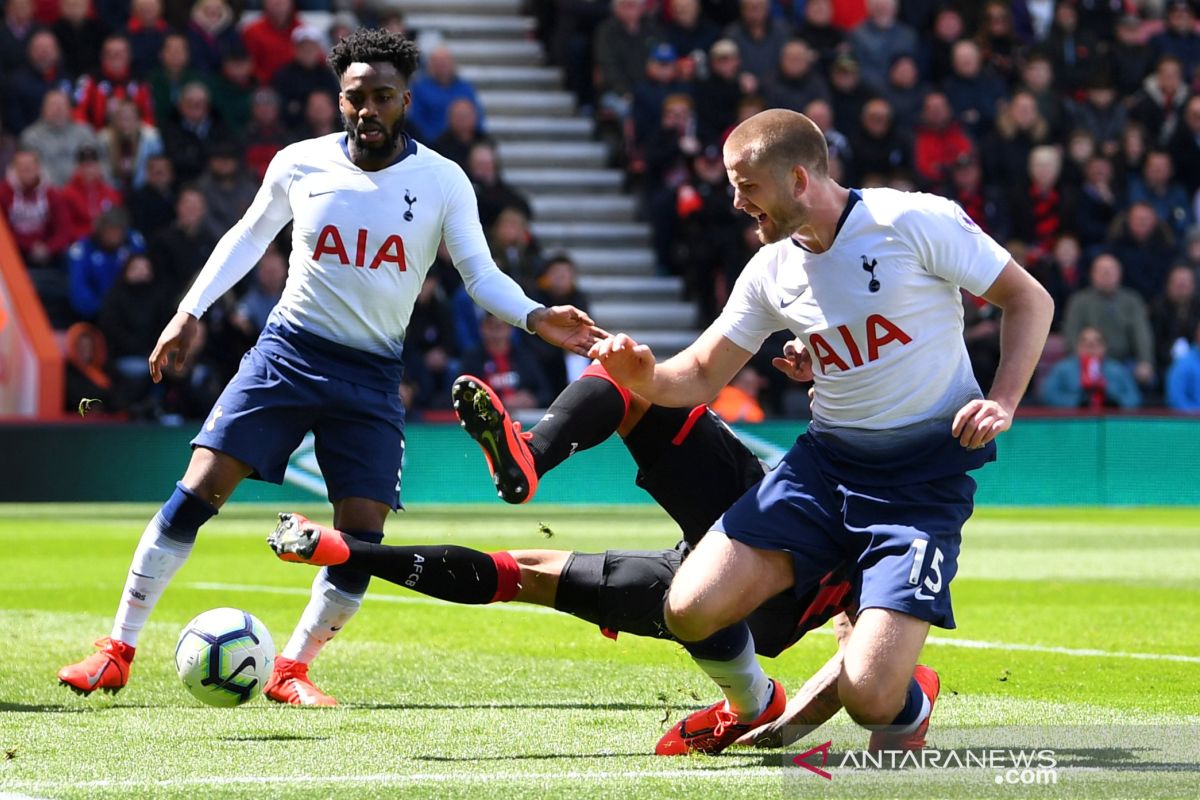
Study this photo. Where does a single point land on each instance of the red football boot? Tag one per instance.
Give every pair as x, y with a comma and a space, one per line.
289, 684
712, 729
107, 669
297, 538
485, 419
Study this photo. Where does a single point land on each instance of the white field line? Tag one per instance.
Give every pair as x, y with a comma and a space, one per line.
489, 776
970, 644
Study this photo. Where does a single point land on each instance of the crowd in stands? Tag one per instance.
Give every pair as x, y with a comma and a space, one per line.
133, 133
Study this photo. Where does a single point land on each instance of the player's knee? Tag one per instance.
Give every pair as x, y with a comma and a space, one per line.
869, 702
687, 619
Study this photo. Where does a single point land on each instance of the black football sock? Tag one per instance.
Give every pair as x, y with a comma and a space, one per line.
586, 413
447, 572
654, 433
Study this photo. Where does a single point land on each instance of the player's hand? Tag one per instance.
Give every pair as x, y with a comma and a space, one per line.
803, 714
566, 327
979, 422
796, 362
629, 363
176, 339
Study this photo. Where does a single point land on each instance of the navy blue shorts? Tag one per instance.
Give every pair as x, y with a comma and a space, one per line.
272, 402
904, 539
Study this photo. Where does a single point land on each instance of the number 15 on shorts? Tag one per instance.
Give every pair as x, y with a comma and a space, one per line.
933, 580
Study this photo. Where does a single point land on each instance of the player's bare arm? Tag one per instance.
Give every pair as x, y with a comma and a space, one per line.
692, 377
1023, 330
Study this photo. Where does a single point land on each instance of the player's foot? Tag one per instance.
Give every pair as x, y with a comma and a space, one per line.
482, 415
712, 729
931, 685
297, 538
107, 669
289, 684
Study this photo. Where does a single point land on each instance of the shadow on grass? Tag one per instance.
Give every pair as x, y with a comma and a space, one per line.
42, 708
713, 763
502, 706
274, 737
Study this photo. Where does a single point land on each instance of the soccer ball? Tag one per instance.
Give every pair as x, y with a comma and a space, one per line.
224, 656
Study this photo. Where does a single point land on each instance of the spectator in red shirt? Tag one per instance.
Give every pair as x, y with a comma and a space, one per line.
114, 79
37, 216
269, 38
87, 194
939, 142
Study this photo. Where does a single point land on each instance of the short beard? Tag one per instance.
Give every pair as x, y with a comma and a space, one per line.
386, 147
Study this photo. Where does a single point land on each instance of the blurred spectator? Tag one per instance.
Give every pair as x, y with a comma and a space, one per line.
211, 34
430, 350
848, 93
268, 39
619, 49
948, 28
1179, 38
661, 79
878, 147
981, 334
188, 390
306, 73
795, 82
146, 30
180, 249
1089, 378
133, 313
1100, 113
1156, 188
717, 95
251, 312
939, 143
114, 79
95, 261
1145, 247
878, 40
759, 37
1099, 202
688, 31
905, 91
1183, 378
508, 367
998, 40
152, 207
266, 134
461, 131
80, 35
16, 27
818, 30
1062, 273
88, 194
1118, 313
1158, 106
227, 189
232, 87
558, 285
491, 191
974, 91
25, 88
987, 205
821, 114
707, 246
434, 90
171, 75
38, 218
1174, 316
514, 248
571, 45
668, 158
320, 117
86, 368
1132, 57
1037, 78
1074, 51
56, 137
1185, 147
1042, 206
189, 139
738, 401
126, 145
1191, 251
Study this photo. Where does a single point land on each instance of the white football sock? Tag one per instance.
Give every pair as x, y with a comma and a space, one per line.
747, 688
155, 562
327, 611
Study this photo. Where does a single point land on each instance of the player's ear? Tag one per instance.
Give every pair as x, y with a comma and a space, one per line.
799, 181
407, 99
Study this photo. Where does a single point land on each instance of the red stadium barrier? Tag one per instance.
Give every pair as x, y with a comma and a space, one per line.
24, 326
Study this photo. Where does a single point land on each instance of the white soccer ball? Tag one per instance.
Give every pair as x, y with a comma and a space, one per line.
224, 656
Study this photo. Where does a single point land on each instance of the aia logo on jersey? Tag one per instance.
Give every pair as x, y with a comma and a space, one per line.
880, 331
330, 243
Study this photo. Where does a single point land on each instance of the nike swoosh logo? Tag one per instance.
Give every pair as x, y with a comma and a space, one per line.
786, 303
94, 679
922, 596
491, 440
311, 193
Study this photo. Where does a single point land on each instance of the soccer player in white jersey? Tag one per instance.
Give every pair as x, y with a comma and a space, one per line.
870, 282
368, 208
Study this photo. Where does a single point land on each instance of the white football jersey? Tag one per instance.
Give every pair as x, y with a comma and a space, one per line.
362, 243
880, 311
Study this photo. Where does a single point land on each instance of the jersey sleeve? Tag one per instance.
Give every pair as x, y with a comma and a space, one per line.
483, 280
244, 244
748, 318
952, 246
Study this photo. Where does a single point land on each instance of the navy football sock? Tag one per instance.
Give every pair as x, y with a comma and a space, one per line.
728, 658
916, 708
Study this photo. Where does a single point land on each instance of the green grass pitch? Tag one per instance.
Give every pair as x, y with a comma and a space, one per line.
1073, 617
